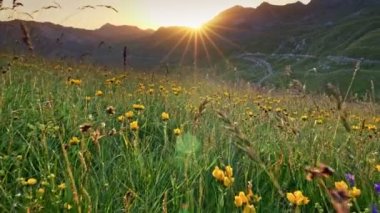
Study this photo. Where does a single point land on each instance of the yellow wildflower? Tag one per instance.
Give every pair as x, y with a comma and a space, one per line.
355, 127
165, 116
138, 107
229, 171
228, 181
74, 141
98, 93
177, 131
378, 167
31, 181
250, 114
297, 198
121, 118
371, 127
249, 209
354, 192
341, 186
40, 191
129, 114
134, 126
62, 186
218, 174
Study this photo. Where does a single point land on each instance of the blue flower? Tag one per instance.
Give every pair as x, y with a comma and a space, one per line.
377, 188
350, 179
374, 209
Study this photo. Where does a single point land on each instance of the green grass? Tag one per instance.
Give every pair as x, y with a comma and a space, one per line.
40, 112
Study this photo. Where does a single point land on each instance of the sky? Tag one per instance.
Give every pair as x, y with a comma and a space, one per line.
145, 14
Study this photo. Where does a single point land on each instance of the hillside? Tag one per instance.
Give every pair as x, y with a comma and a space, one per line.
347, 31
77, 138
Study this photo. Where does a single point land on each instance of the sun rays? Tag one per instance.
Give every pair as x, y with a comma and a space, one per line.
197, 45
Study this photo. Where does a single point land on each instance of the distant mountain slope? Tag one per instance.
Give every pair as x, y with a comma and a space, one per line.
320, 28
55, 41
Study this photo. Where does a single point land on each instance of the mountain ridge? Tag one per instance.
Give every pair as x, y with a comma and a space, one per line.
268, 28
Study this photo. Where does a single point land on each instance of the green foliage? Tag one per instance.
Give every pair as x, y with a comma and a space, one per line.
111, 168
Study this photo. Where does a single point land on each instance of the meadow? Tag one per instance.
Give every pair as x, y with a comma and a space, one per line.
78, 138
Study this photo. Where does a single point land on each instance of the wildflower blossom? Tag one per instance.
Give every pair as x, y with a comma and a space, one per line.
85, 127
40, 191
138, 107
74, 141
98, 93
354, 192
241, 199
31, 181
341, 186
62, 186
297, 198
177, 131
377, 188
165, 116
129, 114
111, 110
76, 82
249, 209
218, 174
378, 167
121, 118
350, 179
374, 209
246, 200
134, 126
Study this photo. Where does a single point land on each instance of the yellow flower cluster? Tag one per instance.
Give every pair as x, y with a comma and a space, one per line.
247, 200
224, 176
343, 187
378, 167
76, 82
297, 198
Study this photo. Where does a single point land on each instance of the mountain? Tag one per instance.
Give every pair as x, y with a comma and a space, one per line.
347, 28
103, 45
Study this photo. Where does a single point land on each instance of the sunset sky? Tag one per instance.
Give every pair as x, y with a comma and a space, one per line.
142, 13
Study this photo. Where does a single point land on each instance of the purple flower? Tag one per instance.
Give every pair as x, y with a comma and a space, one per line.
374, 209
377, 188
350, 179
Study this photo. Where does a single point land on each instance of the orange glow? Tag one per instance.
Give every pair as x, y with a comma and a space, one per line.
142, 13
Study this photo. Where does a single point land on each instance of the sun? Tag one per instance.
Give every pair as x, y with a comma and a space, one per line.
195, 26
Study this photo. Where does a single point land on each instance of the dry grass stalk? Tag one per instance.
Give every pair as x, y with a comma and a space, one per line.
125, 54
165, 203
339, 105
245, 145
16, 4
201, 110
26, 37
128, 199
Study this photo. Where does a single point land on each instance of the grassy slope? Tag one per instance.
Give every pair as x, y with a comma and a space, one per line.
40, 112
